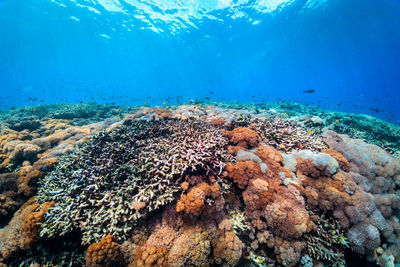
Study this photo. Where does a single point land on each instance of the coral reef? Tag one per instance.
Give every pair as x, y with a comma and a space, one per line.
200, 184
28, 155
100, 186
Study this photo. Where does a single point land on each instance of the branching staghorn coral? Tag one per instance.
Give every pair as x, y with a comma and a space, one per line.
284, 135
327, 242
116, 178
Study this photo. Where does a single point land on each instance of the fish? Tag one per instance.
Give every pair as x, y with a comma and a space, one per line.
309, 132
309, 91
376, 110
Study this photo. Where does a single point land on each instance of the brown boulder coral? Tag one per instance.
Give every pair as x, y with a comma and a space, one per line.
22, 231
178, 241
343, 162
194, 202
243, 137
150, 256
30, 228
243, 171
104, 253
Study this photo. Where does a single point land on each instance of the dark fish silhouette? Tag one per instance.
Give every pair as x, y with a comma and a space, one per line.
376, 110
309, 91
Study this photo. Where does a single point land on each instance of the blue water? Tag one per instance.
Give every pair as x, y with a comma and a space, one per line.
131, 51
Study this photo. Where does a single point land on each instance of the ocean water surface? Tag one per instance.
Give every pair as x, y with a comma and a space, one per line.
344, 51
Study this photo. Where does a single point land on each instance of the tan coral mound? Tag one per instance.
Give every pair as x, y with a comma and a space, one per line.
23, 230
343, 162
105, 253
243, 137
243, 171
31, 228
178, 242
193, 203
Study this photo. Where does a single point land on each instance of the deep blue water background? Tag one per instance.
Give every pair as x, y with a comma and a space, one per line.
132, 51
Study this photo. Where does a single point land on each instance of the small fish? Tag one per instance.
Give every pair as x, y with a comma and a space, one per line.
309, 91
285, 113
88, 138
145, 103
164, 103
309, 132
120, 116
35, 109
120, 109
200, 106
376, 110
336, 121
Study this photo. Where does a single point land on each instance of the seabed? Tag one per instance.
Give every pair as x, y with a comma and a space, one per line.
204, 183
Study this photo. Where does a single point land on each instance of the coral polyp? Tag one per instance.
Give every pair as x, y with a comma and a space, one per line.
117, 177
